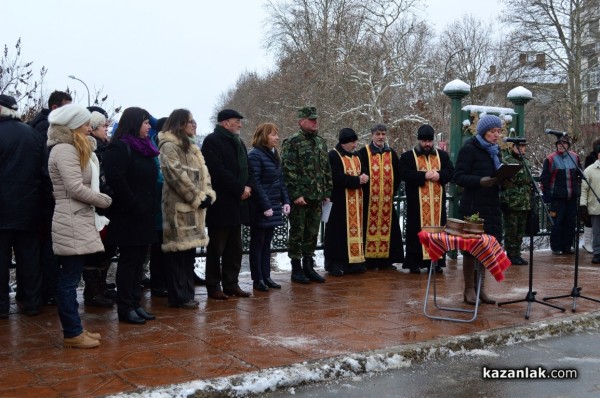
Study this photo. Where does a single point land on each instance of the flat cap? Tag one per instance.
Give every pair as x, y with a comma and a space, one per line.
227, 114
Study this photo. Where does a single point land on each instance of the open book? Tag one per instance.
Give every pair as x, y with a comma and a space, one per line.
507, 171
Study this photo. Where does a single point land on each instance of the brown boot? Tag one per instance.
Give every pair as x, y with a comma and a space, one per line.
469, 295
482, 295
81, 341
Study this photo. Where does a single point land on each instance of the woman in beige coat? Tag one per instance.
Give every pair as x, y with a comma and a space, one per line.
187, 192
74, 171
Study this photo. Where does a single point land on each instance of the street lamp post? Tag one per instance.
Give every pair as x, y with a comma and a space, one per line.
467, 48
86, 87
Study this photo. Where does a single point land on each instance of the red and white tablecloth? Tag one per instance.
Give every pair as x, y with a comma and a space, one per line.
485, 249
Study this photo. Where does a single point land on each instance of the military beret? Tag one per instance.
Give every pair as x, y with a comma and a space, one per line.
8, 102
227, 114
308, 112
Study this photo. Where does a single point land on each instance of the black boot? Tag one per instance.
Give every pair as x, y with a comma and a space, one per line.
297, 273
308, 266
93, 292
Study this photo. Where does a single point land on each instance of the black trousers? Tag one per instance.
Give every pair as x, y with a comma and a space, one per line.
180, 276
260, 252
158, 264
225, 245
129, 277
26, 245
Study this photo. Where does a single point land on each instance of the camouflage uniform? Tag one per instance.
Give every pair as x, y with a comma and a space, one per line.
307, 173
516, 202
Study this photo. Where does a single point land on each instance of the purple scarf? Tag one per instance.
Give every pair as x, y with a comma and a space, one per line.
141, 145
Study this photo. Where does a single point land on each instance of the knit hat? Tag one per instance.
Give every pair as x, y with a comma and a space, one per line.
425, 132
97, 109
347, 135
488, 122
9, 102
70, 115
97, 120
227, 114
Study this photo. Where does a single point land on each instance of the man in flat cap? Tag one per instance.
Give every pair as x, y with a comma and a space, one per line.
307, 175
344, 246
25, 186
227, 161
516, 203
425, 170
383, 237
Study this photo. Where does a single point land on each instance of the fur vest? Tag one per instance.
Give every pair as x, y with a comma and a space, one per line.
186, 184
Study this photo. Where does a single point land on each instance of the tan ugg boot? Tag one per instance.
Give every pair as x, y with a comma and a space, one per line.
482, 294
469, 295
95, 336
81, 341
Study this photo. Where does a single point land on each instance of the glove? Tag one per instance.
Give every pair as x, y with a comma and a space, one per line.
584, 216
487, 182
206, 202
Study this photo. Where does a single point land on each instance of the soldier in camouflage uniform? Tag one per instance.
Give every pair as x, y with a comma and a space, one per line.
307, 174
516, 202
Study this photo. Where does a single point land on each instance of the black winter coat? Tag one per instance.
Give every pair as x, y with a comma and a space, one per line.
221, 157
40, 122
472, 164
269, 190
132, 178
25, 186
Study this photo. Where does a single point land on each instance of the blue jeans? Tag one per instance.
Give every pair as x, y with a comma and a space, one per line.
66, 294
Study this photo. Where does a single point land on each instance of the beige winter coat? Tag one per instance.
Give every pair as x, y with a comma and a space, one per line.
187, 183
592, 173
73, 226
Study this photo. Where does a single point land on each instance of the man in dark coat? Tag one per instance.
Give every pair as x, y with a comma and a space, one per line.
476, 166
344, 245
425, 171
25, 186
383, 237
227, 161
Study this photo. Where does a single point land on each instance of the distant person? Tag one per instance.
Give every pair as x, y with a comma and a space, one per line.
589, 205
344, 246
516, 204
75, 173
271, 203
131, 173
187, 193
50, 267
383, 237
227, 161
24, 188
560, 190
425, 170
587, 229
307, 175
476, 166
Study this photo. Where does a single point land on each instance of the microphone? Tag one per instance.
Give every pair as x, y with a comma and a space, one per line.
556, 132
515, 140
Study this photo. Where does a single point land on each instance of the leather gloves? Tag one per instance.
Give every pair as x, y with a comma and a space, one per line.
487, 182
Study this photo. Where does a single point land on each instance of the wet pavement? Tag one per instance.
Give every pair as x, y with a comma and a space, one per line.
377, 310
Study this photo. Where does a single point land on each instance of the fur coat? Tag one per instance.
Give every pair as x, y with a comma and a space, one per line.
187, 183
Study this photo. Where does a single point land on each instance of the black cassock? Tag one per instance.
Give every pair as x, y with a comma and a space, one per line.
413, 180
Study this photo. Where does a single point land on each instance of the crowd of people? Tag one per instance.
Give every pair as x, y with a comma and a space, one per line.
72, 198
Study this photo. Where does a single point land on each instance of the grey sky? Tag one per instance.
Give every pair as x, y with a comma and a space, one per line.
159, 54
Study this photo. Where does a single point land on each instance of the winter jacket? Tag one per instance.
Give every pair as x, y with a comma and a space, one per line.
473, 163
24, 181
186, 184
559, 176
592, 174
73, 227
270, 191
132, 178
40, 122
221, 156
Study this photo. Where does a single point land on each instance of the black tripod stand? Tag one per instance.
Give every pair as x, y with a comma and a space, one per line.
576, 290
535, 197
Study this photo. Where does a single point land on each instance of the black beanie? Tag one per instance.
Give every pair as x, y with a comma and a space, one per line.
425, 132
347, 135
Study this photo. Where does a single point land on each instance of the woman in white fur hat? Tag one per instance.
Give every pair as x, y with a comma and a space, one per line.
74, 171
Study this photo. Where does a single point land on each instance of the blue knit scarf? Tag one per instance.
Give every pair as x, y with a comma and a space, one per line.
492, 150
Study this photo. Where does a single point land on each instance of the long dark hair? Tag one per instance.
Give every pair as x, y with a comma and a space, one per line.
176, 123
130, 123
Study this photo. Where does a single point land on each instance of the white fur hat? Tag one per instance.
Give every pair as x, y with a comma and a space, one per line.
70, 115
97, 119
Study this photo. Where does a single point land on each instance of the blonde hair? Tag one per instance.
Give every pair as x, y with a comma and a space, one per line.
83, 147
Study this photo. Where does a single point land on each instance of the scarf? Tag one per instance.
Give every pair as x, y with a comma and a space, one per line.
99, 220
141, 145
492, 150
241, 153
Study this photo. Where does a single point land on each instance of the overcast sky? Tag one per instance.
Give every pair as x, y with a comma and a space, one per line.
159, 54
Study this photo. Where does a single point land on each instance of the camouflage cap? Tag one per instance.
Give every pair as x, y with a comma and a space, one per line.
308, 112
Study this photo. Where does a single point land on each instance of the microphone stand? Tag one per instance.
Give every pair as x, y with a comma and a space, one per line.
534, 198
576, 290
